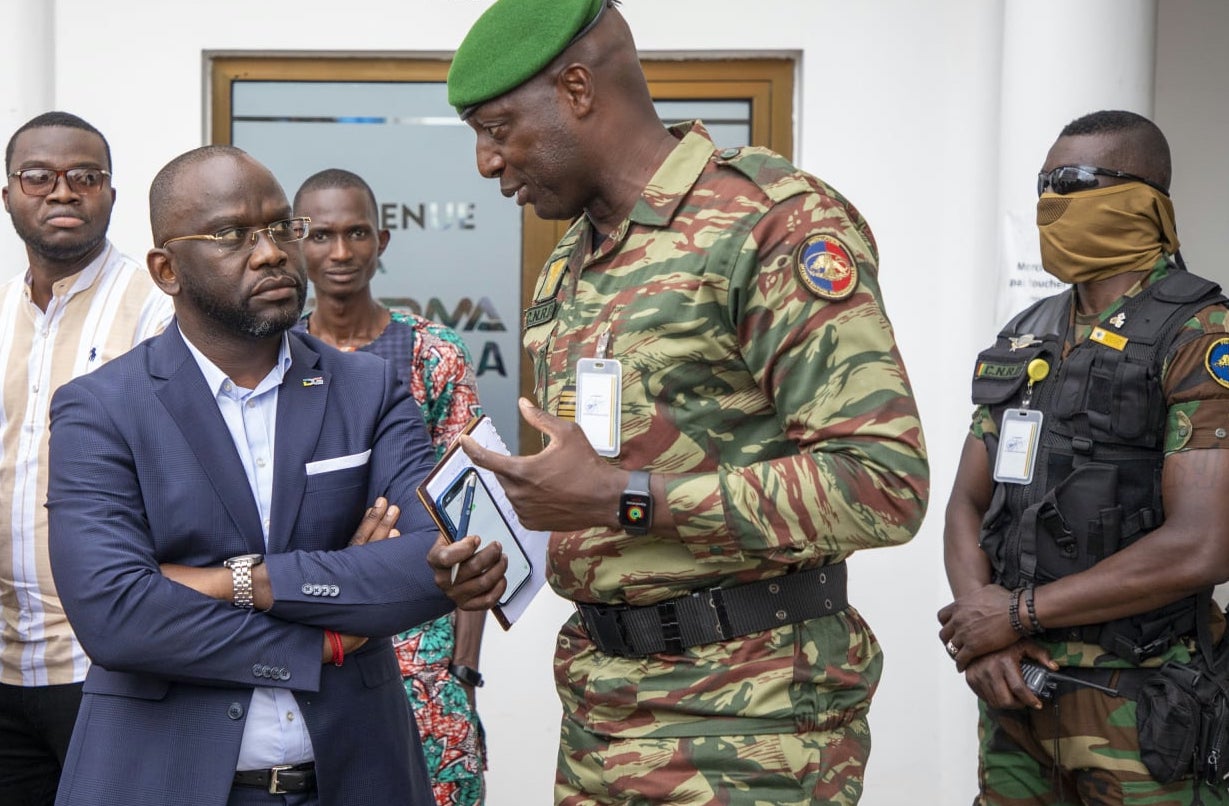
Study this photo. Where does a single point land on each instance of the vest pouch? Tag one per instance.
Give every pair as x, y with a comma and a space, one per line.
1069, 525
1074, 378
1001, 372
1182, 716
1214, 743
1167, 717
1136, 403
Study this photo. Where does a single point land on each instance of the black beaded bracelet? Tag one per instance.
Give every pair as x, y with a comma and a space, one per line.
1031, 610
1013, 612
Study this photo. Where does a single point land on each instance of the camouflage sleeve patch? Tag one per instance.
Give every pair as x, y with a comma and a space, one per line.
824, 266
1196, 385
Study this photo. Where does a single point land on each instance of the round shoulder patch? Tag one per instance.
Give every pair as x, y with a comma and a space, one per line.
825, 266
1217, 361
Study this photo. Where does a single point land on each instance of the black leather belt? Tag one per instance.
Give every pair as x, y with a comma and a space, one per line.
715, 614
284, 779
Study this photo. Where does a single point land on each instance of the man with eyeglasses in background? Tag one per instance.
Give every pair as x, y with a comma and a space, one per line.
1087, 523
80, 303
232, 458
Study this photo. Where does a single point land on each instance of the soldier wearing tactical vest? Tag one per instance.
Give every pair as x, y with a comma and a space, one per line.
1087, 524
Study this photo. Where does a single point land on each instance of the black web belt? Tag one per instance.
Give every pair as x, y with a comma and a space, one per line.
715, 614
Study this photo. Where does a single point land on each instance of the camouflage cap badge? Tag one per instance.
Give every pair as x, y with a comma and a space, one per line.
825, 266
1217, 361
511, 42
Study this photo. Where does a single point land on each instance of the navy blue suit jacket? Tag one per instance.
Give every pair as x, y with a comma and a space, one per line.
143, 471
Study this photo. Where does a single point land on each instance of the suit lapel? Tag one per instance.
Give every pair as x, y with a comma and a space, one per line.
300, 416
178, 383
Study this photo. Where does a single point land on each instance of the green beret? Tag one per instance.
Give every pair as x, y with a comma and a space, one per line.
510, 43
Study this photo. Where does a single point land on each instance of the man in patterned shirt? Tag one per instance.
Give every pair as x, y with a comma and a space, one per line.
80, 304
1101, 555
756, 427
438, 659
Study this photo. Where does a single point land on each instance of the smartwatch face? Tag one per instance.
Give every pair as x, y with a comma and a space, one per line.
635, 511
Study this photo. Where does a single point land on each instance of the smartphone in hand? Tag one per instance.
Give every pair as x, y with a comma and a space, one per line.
483, 518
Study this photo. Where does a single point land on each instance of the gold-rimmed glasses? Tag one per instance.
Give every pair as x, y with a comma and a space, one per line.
235, 239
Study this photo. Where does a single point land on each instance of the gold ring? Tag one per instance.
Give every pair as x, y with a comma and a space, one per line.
951, 649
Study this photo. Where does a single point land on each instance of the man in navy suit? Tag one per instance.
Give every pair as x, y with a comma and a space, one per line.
207, 531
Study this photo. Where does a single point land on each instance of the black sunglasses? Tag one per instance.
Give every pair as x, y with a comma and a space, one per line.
1070, 178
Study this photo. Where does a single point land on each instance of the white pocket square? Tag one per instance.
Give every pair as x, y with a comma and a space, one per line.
338, 463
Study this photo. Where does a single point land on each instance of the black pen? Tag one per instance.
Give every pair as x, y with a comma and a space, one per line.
467, 504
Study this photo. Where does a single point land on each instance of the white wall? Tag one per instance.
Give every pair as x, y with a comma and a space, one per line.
1192, 108
898, 107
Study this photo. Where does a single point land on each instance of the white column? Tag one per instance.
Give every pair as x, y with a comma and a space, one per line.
1061, 59
28, 58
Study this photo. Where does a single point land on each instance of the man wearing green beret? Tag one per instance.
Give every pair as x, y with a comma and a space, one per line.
726, 418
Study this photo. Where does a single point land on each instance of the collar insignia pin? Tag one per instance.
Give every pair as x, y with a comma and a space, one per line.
316, 381
1118, 320
1020, 342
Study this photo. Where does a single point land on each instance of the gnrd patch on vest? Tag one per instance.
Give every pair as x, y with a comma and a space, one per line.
825, 266
990, 369
1217, 361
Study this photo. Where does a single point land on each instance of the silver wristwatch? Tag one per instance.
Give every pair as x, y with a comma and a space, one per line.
241, 577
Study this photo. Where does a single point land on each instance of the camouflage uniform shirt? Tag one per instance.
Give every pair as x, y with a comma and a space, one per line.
790, 416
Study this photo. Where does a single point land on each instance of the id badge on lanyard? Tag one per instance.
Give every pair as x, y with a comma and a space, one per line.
1018, 439
1020, 434
599, 386
599, 398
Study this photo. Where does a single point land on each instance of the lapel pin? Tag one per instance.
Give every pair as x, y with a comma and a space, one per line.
316, 381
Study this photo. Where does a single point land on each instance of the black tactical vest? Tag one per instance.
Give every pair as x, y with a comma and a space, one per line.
1096, 487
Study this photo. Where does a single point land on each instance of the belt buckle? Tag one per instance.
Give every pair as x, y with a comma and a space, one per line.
275, 785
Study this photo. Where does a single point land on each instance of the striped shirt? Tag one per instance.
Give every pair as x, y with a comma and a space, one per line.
93, 316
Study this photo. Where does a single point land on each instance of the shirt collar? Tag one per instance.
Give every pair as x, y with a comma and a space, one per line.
674, 179
76, 283
217, 380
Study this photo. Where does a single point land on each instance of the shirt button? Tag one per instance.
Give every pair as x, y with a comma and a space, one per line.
251, 404
226, 386
260, 461
307, 589
290, 716
235, 711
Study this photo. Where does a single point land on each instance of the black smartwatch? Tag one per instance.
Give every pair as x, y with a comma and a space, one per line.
468, 676
636, 504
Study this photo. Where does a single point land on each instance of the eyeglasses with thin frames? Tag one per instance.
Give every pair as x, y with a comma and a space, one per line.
235, 239
42, 181
1071, 178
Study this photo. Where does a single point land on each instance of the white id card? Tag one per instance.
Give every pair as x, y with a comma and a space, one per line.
599, 385
1018, 438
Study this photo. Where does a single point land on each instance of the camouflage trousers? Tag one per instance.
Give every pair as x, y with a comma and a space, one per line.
1081, 749
773, 769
